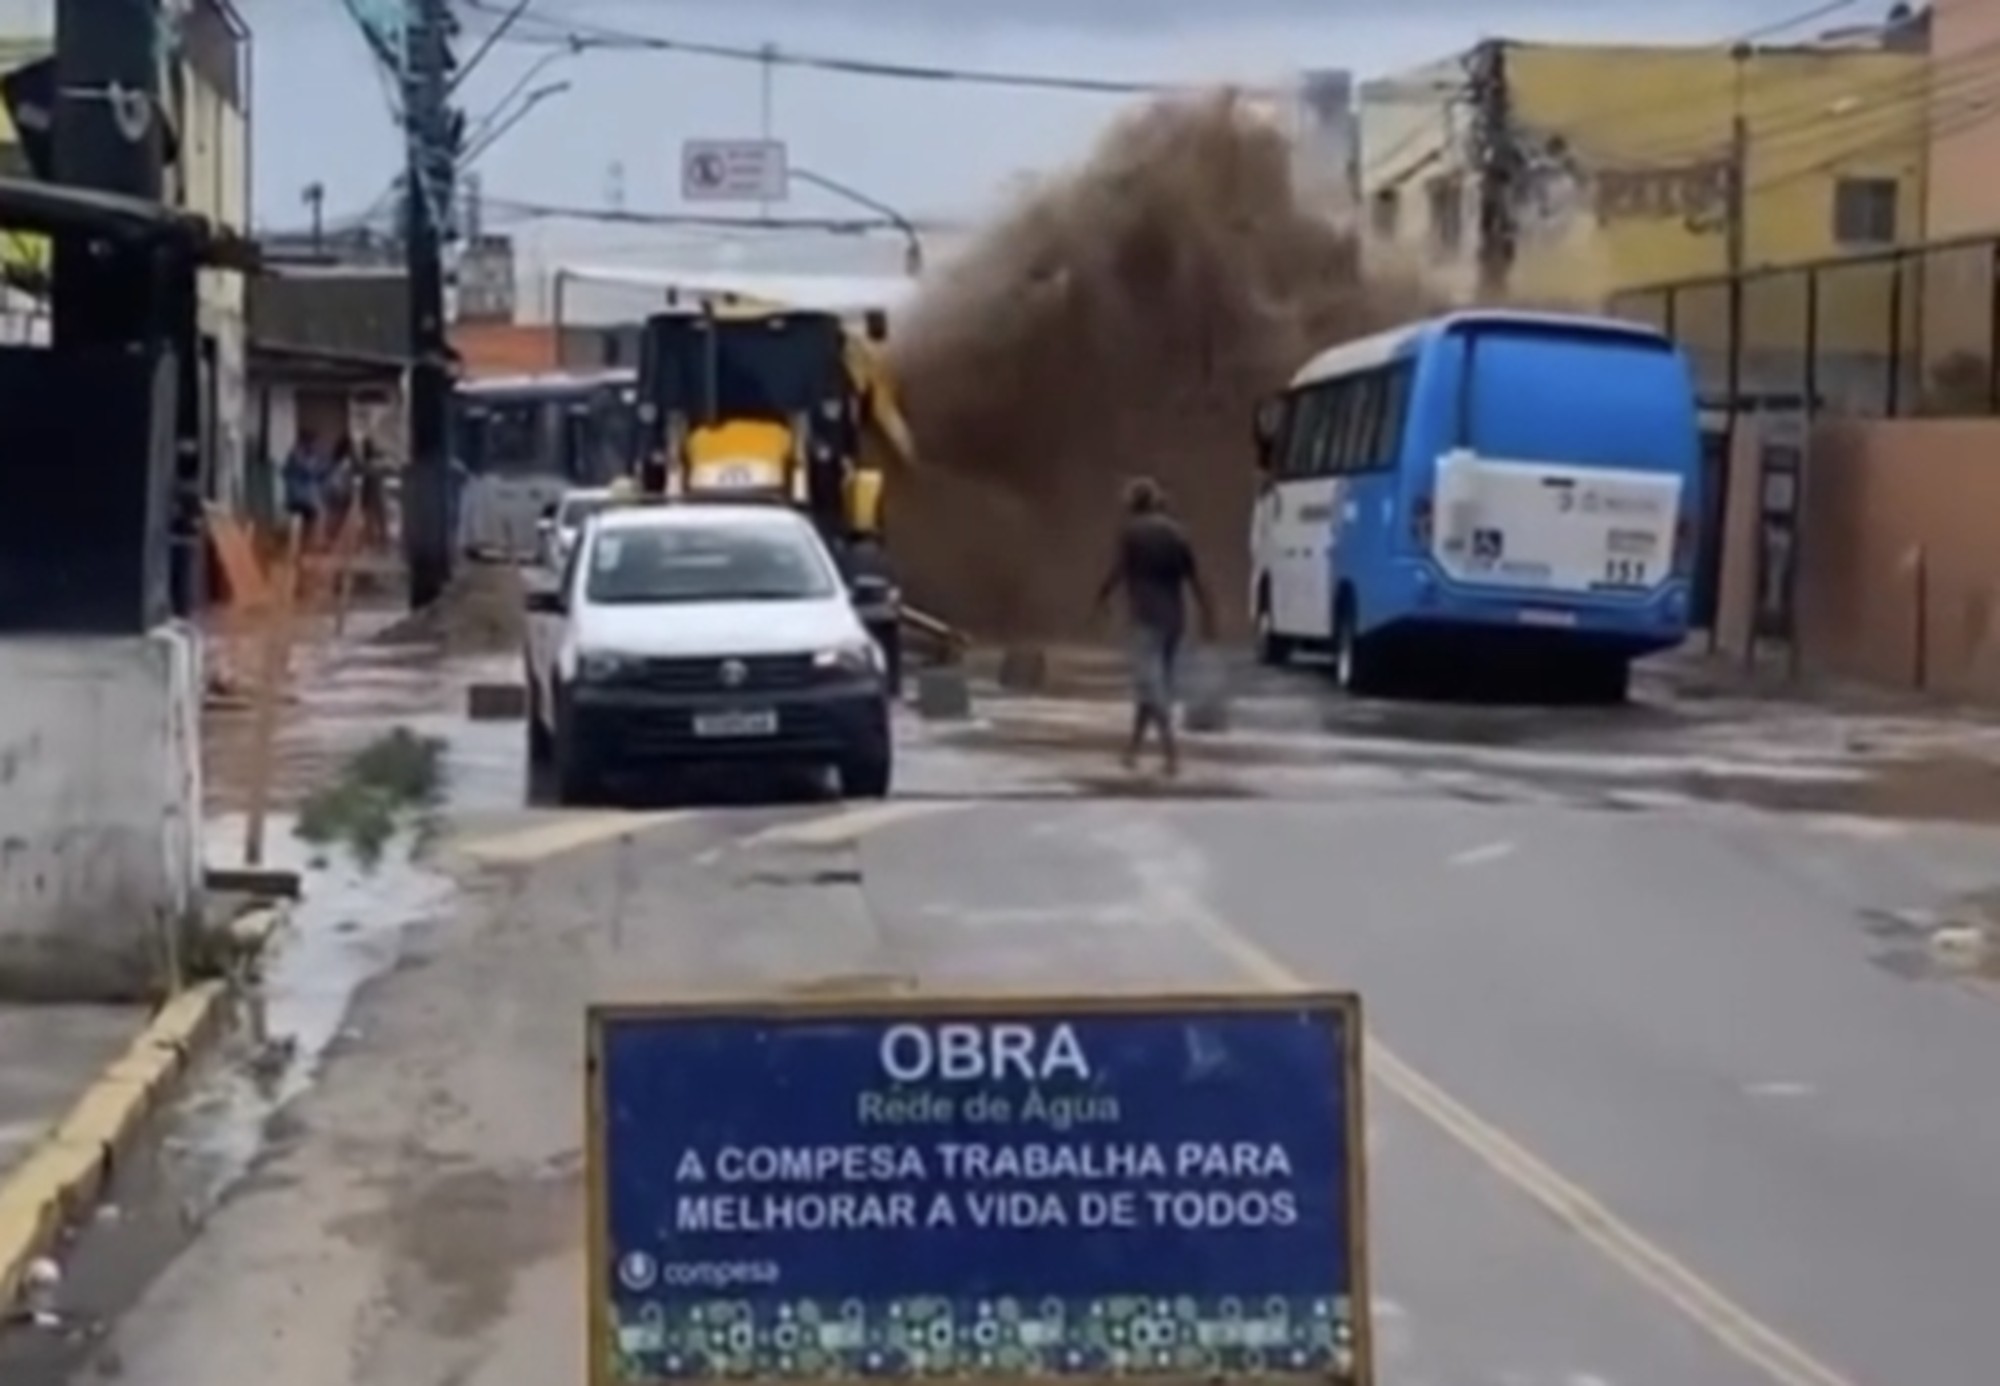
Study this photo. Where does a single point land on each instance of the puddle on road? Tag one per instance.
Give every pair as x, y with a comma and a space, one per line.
1910, 770
1959, 942
345, 933
346, 930
371, 690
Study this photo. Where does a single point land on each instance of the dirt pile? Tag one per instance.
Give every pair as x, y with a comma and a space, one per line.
482, 611
1123, 318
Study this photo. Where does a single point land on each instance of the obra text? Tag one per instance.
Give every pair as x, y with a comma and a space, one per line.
919, 1061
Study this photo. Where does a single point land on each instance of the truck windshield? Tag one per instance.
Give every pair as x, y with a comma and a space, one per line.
576, 509
761, 368
727, 564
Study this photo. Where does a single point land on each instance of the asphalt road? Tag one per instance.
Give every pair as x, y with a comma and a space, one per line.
1671, 1086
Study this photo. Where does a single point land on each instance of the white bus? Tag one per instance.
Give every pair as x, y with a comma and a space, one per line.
1485, 486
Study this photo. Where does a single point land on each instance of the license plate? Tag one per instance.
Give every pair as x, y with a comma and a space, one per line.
760, 723
1535, 616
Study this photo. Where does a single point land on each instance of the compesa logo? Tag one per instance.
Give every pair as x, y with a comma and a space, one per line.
733, 673
638, 1272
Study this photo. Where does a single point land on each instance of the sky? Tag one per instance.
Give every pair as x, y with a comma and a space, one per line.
613, 136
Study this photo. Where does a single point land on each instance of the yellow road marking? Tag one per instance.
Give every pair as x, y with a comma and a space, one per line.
1751, 1339
847, 825
569, 833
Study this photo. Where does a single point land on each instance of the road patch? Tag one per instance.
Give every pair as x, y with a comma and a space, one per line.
557, 836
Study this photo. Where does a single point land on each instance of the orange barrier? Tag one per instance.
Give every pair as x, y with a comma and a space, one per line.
267, 691
320, 559
245, 595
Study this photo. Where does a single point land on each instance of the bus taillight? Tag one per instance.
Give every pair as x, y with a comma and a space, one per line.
1420, 521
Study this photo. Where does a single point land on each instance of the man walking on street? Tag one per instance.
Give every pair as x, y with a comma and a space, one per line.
1155, 565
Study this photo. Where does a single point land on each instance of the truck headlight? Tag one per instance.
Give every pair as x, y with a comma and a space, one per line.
861, 658
596, 668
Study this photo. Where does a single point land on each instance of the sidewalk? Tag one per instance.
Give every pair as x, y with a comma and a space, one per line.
78, 1086
52, 1054
78, 1082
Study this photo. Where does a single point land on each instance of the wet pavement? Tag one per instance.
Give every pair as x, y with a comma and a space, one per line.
1688, 1065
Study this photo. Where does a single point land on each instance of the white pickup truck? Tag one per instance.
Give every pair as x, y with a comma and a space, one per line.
681, 634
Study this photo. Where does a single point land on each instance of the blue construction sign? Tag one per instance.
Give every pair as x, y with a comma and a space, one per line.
818, 1191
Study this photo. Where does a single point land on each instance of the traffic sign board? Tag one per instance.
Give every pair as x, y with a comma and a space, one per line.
733, 171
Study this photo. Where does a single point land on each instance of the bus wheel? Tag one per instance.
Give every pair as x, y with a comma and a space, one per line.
1272, 648
1355, 659
1604, 679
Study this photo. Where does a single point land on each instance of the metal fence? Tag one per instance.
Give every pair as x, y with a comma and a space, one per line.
1900, 333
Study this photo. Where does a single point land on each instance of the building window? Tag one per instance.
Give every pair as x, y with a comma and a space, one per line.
1447, 213
1384, 210
1864, 211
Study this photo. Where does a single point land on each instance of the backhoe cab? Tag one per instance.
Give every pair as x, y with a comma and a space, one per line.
757, 403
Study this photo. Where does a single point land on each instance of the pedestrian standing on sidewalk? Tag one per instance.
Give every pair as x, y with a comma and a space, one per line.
341, 485
1155, 565
374, 496
301, 478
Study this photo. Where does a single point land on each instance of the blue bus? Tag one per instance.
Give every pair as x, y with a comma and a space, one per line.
1480, 490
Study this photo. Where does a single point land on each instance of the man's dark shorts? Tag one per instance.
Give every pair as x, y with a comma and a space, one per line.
1155, 658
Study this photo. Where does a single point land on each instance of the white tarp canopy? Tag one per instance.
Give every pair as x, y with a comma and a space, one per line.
830, 293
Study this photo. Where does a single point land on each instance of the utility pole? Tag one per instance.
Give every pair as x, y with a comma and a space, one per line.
1736, 189
1736, 231
1496, 165
314, 197
436, 135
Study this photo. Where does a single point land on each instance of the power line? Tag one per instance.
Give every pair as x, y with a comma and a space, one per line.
1974, 110
1807, 114
1618, 112
1702, 93
583, 35
1805, 17
520, 210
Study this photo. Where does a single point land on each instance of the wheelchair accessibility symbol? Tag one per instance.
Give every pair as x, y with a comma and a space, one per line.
708, 171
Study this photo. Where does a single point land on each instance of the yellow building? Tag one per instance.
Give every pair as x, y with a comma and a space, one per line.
213, 178
1620, 161
19, 252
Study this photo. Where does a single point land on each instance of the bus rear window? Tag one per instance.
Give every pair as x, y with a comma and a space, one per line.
1582, 398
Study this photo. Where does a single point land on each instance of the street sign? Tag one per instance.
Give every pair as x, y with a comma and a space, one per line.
1165, 1188
733, 171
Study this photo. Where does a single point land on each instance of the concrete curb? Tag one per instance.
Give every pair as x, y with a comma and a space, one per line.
64, 1175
